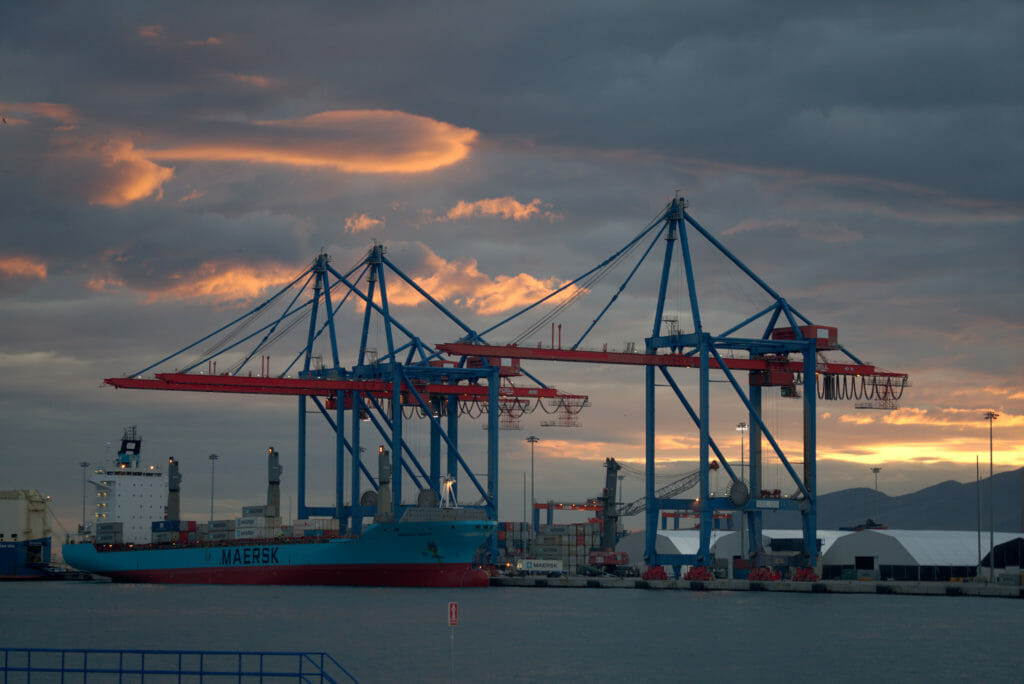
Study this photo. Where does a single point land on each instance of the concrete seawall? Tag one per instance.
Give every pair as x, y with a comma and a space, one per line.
821, 587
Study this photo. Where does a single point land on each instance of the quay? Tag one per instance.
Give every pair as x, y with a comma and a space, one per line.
822, 587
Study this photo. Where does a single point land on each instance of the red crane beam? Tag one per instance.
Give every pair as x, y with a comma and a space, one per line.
230, 384
633, 359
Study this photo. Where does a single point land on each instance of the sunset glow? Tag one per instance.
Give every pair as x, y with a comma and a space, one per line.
462, 283
22, 267
349, 141
504, 207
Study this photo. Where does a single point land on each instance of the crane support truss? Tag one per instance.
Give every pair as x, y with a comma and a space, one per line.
408, 376
784, 354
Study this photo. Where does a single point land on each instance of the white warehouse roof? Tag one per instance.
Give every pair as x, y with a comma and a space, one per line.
940, 548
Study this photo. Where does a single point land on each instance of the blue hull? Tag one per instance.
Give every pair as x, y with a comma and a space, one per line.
387, 554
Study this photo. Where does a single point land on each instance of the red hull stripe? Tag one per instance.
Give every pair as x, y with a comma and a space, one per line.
406, 575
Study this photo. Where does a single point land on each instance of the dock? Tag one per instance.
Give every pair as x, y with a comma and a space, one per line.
822, 587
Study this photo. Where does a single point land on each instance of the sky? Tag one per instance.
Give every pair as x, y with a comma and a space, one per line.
165, 167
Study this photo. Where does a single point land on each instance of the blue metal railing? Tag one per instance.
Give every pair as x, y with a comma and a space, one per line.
74, 665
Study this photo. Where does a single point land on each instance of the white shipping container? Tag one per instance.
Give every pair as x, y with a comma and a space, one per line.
250, 521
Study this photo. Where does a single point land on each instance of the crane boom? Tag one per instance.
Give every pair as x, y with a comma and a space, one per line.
666, 492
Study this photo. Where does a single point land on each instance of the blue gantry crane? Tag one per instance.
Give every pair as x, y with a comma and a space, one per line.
381, 390
786, 350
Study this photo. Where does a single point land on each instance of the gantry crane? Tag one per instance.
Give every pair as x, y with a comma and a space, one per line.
787, 351
407, 380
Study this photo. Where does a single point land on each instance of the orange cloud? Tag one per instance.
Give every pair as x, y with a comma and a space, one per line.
462, 283
357, 223
857, 419
113, 171
212, 40
350, 141
251, 79
223, 282
505, 207
22, 267
129, 176
150, 32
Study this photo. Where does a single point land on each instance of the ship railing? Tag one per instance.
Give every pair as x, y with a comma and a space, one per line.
71, 666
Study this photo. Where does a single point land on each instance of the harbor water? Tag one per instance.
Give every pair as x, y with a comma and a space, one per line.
541, 635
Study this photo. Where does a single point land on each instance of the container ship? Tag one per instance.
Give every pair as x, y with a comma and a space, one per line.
427, 547
24, 535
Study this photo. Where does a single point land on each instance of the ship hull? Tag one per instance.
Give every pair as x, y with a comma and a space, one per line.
424, 554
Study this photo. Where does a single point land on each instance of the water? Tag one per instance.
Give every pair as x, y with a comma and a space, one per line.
534, 635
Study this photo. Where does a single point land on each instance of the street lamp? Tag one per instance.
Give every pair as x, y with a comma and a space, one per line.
213, 459
84, 465
533, 501
876, 470
990, 416
741, 428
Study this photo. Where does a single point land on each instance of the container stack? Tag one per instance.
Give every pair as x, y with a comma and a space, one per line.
109, 533
570, 544
217, 530
175, 532
514, 539
316, 527
257, 522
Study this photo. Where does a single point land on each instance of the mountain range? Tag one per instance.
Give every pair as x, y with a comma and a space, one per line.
948, 505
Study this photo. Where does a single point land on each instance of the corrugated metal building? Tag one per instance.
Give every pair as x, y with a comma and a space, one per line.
926, 555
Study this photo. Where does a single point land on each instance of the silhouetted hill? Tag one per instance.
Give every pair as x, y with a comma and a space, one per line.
948, 505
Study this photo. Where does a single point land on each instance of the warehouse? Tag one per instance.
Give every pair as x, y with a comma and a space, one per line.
925, 555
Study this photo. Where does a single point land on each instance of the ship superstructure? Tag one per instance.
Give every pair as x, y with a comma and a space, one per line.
129, 496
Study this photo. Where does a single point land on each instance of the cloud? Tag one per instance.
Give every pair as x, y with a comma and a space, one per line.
759, 224
22, 267
252, 80
505, 207
357, 223
110, 169
224, 282
212, 281
348, 141
150, 32
154, 33
60, 113
194, 195
952, 417
462, 283
126, 175
857, 419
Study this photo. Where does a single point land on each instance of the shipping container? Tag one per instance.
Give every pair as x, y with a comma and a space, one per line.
250, 521
165, 536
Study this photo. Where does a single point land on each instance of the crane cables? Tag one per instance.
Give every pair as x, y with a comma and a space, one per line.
585, 283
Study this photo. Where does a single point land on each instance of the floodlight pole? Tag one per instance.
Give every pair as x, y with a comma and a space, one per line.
990, 416
876, 470
533, 500
742, 429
